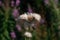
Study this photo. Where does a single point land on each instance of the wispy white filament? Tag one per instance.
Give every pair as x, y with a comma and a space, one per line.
35, 15
28, 34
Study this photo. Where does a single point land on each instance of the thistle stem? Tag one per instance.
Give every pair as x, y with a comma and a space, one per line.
25, 38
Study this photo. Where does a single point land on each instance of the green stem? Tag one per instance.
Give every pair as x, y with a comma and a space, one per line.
25, 38
29, 38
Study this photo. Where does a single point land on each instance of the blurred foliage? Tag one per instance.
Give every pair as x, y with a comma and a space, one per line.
48, 31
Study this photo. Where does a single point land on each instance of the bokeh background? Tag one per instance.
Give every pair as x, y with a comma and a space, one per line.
49, 23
